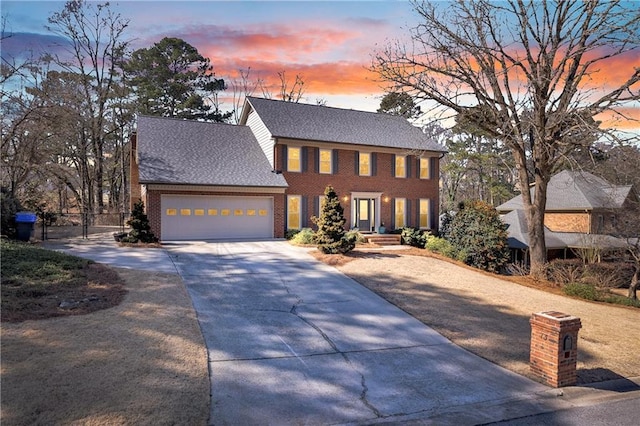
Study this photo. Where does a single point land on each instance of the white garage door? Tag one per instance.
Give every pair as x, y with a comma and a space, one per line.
198, 217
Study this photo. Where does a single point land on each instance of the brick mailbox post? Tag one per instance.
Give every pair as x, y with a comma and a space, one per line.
554, 348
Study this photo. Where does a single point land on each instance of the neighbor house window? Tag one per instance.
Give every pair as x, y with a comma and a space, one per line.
324, 162
401, 166
400, 212
294, 155
364, 164
424, 168
425, 206
294, 203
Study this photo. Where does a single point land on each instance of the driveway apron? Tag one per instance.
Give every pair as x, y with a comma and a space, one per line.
293, 341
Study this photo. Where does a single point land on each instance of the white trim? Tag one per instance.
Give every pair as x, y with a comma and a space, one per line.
378, 207
213, 188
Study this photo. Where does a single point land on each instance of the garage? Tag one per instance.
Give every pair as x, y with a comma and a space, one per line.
201, 217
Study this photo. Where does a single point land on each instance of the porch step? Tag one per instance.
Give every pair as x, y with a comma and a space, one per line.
383, 239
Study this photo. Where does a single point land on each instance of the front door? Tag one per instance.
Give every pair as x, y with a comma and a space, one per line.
364, 214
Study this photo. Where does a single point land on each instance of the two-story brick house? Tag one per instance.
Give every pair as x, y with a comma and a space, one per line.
268, 174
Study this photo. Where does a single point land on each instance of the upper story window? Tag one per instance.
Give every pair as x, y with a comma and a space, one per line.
324, 161
425, 172
364, 164
294, 156
401, 166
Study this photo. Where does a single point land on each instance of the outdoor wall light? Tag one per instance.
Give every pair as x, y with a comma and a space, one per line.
386, 199
345, 198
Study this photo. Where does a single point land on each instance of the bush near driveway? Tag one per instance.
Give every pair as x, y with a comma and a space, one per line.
478, 231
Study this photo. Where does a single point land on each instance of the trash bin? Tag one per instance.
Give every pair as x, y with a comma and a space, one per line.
25, 224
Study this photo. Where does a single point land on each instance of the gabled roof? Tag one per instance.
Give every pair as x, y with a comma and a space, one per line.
327, 124
576, 190
175, 151
518, 237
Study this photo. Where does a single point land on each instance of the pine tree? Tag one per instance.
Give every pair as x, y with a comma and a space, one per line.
141, 229
331, 236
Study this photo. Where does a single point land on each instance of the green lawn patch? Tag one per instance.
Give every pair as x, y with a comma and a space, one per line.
38, 283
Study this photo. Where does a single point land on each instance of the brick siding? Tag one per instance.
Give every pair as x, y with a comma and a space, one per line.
344, 180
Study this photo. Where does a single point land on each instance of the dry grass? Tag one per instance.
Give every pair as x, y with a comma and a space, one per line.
142, 362
489, 315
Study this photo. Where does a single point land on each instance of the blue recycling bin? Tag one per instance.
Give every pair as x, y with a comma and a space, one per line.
25, 224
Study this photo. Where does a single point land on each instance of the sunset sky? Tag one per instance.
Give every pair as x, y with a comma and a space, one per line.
330, 44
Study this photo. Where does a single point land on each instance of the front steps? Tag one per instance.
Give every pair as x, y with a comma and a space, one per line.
383, 239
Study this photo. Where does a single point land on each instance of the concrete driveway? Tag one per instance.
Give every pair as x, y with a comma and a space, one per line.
293, 341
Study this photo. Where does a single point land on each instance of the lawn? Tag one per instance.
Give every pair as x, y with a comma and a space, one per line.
140, 362
39, 283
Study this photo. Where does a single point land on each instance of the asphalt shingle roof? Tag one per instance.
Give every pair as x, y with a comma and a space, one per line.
177, 151
577, 190
327, 124
518, 236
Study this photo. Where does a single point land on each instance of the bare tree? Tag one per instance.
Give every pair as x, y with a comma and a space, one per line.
523, 71
291, 92
96, 46
241, 87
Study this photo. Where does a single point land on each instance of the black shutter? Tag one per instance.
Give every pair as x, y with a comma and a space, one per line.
432, 215
286, 213
432, 167
316, 164
304, 212
407, 161
316, 206
407, 213
417, 215
374, 164
304, 154
393, 166
334, 162
357, 164
417, 167
393, 213
284, 158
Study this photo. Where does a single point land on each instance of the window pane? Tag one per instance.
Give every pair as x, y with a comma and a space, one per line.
293, 212
364, 209
399, 213
172, 212
185, 212
424, 213
293, 159
198, 212
365, 164
212, 212
424, 168
401, 170
325, 161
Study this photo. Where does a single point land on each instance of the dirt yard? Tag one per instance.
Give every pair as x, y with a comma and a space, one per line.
490, 316
142, 362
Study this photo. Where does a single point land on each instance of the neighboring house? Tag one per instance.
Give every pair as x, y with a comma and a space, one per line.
582, 211
268, 174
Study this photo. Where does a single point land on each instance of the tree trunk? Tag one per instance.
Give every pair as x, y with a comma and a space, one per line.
633, 287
